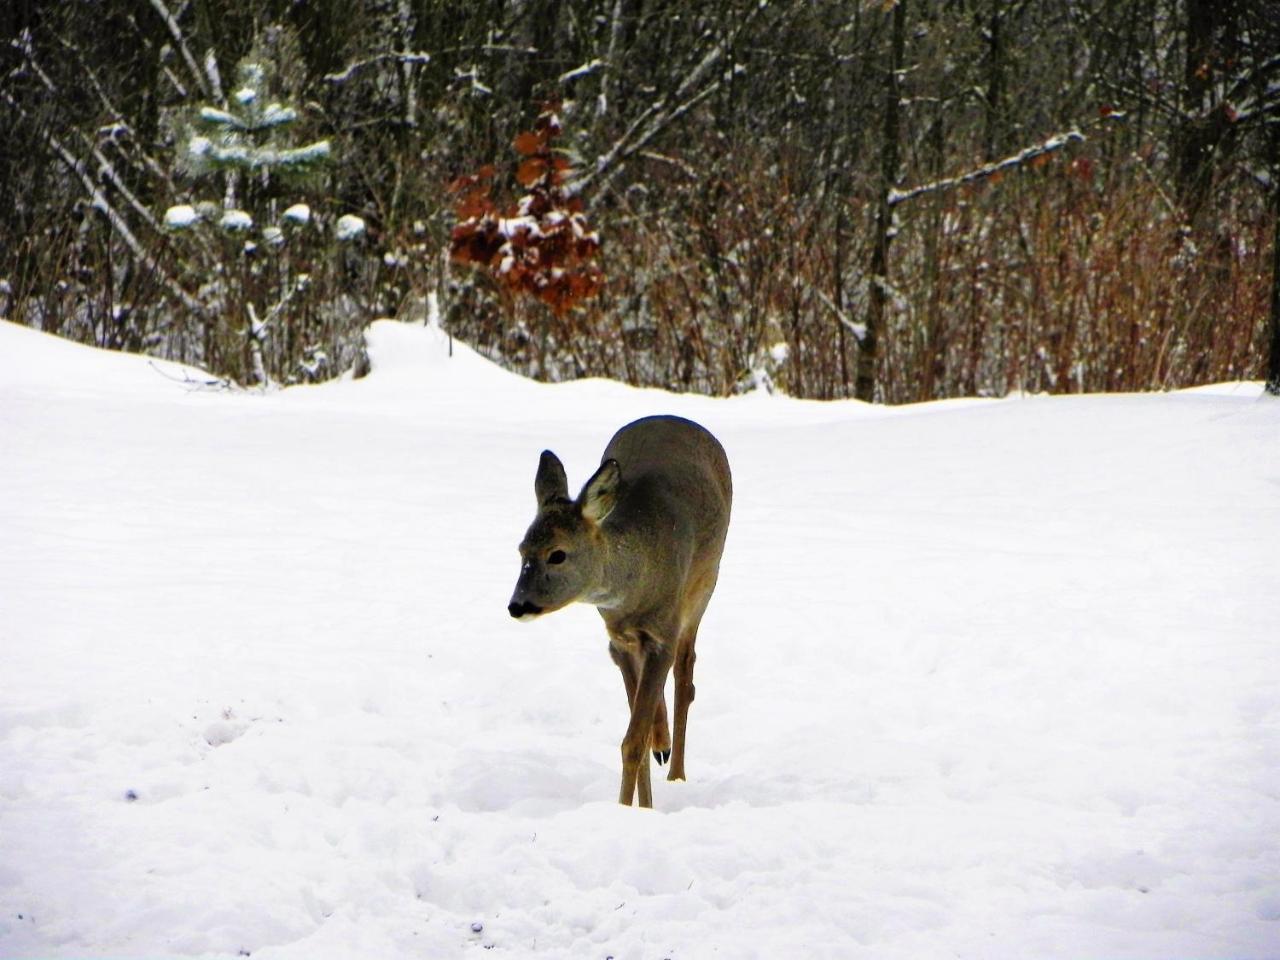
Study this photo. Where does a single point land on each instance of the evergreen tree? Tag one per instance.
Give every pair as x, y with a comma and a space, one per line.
249, 145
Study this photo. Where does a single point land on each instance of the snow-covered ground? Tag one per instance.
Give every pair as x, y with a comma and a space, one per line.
981, 679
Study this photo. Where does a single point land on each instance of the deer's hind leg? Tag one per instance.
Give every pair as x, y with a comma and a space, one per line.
682, 666
660, 737
684, 693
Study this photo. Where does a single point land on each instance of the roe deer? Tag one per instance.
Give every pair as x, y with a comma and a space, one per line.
642, 543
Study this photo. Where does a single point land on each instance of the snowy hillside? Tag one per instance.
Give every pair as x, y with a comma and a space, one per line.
981, 679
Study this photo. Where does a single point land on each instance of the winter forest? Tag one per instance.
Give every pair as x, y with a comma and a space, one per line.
897, 201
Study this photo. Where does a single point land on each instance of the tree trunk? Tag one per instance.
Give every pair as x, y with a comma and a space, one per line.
1212, 38
1273, 359
864, 387
994, 94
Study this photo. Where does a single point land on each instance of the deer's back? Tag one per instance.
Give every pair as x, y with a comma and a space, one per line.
673, 509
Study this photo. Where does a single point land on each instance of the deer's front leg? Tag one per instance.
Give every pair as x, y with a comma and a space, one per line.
655, 663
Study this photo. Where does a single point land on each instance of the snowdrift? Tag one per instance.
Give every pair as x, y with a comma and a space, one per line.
981, 679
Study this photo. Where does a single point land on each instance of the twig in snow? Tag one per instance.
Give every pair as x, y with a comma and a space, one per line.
687, 169
615, 38
214, 383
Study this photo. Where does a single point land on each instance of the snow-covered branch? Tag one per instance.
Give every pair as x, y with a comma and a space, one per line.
102, 203
659, 115
176, 32
400, 57
1051, 145
105, 167
584, 70
859, 330
616, 30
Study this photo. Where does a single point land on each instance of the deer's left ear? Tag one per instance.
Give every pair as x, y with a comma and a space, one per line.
601, 492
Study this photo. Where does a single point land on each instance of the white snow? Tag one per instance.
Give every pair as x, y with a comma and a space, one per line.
180, 216
299, 156
510, 226
236, 220
349, 227
993, 679
276, 114
298, 213
220, 118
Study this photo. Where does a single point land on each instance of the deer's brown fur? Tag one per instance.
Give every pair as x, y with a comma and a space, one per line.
642, 543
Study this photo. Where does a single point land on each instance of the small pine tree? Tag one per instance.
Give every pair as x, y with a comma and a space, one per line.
250, 136
250, 145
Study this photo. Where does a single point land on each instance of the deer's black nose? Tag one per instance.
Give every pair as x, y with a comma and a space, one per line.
518, 609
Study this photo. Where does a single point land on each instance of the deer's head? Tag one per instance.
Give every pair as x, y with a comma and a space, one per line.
561, 553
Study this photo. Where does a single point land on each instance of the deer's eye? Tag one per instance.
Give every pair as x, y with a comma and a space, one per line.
557, 556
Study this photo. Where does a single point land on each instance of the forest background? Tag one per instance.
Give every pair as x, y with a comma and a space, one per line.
897, 201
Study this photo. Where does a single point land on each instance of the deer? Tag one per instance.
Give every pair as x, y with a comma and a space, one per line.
642, 543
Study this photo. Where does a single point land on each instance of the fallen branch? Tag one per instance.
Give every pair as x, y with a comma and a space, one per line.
214, 383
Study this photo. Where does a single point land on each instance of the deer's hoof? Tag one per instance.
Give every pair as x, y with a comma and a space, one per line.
662, 756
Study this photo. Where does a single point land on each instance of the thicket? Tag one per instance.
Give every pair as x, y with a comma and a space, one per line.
898, 201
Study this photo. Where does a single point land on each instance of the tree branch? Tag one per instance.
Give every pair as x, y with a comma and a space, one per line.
660, 114
1051, 145
401, 57
102, 203
176, 32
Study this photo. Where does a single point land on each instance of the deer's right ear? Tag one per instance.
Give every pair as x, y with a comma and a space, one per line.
550, 484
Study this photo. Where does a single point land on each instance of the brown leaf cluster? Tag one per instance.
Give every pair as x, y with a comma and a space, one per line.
541, 245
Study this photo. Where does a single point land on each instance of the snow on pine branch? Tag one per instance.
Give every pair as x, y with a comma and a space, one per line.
273, 115
248, 157
1030, 154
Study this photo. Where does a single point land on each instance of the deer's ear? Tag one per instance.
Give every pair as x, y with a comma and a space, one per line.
550, 484
601, 492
